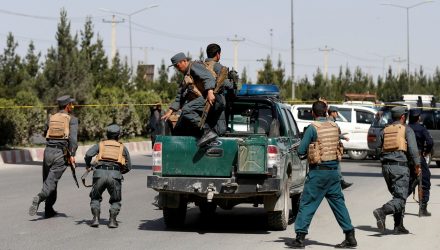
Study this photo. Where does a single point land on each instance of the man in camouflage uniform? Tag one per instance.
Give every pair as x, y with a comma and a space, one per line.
399, 146
61, 136
197, 88
112, 161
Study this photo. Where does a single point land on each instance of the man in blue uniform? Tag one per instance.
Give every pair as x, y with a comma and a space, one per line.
112, 161
198, 85
333, 115
320, 145
61, 136
398, 147
424, 145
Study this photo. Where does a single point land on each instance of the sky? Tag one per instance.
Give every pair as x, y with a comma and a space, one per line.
362, 33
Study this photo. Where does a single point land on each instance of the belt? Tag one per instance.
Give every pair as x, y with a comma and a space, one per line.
56, 146
107, 167
316, 167
395, 163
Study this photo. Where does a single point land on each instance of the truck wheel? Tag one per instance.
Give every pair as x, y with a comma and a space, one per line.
295, 205
278, 220
357, 154
207, 208
175, 217
438, 163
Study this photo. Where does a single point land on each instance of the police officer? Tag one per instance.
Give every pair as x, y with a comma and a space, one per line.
61, 136
198, 84
323, 178
398, 145
424, 145
213, 52
112, 161
156, 125
333, 115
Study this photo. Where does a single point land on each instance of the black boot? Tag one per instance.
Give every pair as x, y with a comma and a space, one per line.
423, 210
49, 212
34, 207
345, 184
349, 242
113, 222
380, 215
95, 220
298, 242
398, 224
207, 137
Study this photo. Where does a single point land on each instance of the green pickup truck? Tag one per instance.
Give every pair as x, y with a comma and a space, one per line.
255, 162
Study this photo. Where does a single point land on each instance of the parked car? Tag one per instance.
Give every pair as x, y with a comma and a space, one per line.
430, 118
354, 122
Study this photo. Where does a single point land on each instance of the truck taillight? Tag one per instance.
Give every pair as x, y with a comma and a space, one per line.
157, 158
371, 138
273, 160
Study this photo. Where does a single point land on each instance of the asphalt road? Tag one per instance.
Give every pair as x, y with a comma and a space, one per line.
244, 227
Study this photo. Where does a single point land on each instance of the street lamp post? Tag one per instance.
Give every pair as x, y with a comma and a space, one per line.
129, 15
407, 25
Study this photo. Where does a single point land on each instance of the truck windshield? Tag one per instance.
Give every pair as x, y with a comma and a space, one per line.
250, 117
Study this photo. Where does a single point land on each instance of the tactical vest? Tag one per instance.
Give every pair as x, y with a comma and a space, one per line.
197, 87
327, 147
111, 150
394, 138
58, 126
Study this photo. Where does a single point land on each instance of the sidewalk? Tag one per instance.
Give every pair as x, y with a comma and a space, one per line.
26, 155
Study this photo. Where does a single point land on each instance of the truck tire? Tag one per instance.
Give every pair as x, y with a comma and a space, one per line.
175, 217
295, 205
207, 208
278, 220
357, 154
438, 164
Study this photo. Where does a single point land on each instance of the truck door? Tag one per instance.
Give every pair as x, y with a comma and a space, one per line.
298, 166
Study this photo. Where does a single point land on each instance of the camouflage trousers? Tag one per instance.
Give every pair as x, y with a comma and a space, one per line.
397, 180
109, 180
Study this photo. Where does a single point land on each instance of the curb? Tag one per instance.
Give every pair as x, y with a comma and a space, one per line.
37, 154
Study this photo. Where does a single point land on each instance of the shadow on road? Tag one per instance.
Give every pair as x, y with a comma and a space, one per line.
306, 242
239, 220
42, 217
375, 230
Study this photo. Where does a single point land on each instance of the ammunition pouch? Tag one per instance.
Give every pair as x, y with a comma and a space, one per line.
394, 138
58, 126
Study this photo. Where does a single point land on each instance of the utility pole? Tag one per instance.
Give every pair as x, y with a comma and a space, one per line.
326, 52
235, 42
113, 22
271, 44
399, 61
292, 51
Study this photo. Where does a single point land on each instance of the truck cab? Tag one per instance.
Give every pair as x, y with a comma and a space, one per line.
254, 162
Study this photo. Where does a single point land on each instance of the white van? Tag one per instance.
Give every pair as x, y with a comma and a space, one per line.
354, 122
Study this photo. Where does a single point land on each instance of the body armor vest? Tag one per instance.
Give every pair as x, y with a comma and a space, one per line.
327, 147
394, 138
111, 150
58, 126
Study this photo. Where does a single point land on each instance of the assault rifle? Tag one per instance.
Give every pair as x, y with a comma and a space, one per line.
418, 183
72, 168
218, 85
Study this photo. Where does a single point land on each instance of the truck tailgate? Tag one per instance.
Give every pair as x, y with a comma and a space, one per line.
182, 157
